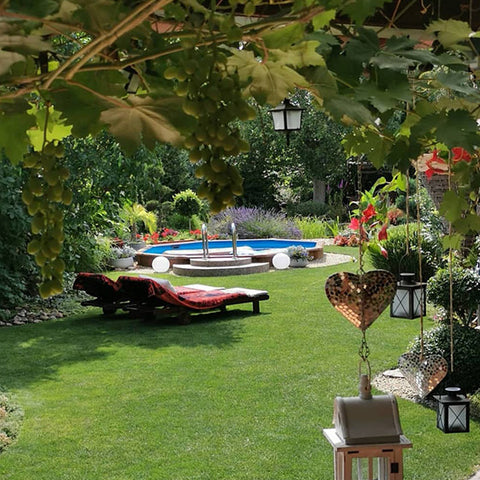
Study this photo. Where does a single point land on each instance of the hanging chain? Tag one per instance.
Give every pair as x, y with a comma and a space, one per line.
420, 271
363, 353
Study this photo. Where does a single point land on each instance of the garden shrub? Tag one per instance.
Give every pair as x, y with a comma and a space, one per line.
254, 223
11, 418
18, 272
398, 260
317, 228
466, 354
308, 208
465, 288
180, 222
475, 405
187, 203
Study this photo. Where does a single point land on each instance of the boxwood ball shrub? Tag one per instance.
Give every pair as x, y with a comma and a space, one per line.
465, 289
398, 260
466, 354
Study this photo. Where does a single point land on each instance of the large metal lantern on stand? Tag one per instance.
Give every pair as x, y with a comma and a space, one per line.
287, 117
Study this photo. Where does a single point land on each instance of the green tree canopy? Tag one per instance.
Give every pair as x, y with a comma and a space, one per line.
181, 71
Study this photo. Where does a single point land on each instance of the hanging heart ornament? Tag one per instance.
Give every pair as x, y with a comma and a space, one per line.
423, 375
361, 298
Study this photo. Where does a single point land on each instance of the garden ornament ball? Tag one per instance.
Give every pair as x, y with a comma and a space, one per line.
281, 261
161, 264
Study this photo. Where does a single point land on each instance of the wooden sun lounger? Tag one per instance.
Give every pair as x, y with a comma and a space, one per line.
151, 297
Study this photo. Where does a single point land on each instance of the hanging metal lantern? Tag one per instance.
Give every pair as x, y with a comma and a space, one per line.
287, 117
410, 298
453, 411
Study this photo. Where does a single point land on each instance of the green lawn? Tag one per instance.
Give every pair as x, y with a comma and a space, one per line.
232, 396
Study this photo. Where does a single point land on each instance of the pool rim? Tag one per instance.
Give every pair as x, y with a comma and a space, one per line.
146, 259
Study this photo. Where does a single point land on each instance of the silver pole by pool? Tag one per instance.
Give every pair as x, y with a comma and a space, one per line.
204, 241
234, 240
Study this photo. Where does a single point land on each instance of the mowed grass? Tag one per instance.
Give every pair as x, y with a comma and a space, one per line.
230, 396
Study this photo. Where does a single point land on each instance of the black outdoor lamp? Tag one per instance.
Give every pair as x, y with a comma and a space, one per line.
453, 411
410, 298
287, 117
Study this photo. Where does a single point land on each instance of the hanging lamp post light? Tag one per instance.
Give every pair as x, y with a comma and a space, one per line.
453, 412
287, 117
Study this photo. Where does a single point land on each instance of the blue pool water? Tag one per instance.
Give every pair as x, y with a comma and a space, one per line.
257, 245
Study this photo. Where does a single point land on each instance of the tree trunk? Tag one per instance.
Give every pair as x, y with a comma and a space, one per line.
318, 190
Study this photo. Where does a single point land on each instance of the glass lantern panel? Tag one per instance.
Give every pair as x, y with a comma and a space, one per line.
278, 120
401, 304
294, 119
370, 468
418, 296
441, 416
457, 418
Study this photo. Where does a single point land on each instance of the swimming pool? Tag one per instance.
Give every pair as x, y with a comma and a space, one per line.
259, 250
254, 244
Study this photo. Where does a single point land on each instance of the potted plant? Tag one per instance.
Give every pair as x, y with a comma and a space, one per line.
122, 256
134, 213
298, 256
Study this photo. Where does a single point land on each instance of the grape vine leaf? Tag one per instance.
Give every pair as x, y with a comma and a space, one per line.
52, 121
359, 11
99, 15
285, 36
38, 8
467, 224
449, 32
452, 206
147, 119
270, 80
458, 82
80, 107
13, 48
368, 142
14, 125
453, 241
323, 19
300, 55
348, 109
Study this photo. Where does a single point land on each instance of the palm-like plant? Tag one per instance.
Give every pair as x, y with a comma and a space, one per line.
134, 213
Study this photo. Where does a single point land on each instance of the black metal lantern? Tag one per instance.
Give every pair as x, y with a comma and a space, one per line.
287, 117
453, 412
410, 298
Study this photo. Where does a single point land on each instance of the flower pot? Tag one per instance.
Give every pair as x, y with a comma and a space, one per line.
298, 262
122, 262
137, 245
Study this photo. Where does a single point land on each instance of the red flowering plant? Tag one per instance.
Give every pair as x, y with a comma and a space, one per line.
168, 234
197, 235
372, 217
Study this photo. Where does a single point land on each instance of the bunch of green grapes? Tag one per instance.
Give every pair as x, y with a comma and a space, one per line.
43, 193
213, 96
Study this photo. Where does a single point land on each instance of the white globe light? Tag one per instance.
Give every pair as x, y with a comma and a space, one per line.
281, 261
161, 264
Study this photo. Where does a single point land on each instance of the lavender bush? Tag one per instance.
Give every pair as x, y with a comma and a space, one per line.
253, 223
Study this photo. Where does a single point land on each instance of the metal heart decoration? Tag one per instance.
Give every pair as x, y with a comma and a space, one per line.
361, 298
423, 375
